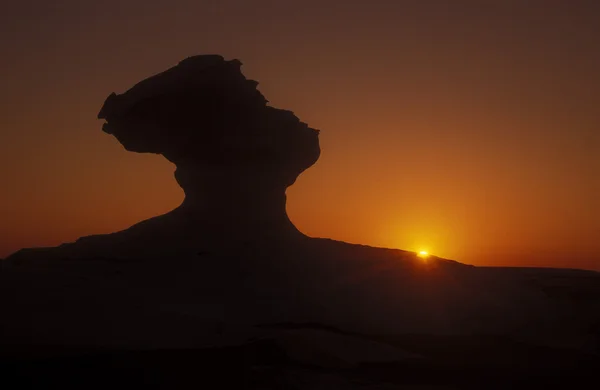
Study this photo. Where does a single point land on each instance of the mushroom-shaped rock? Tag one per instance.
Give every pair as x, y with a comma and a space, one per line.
235, 155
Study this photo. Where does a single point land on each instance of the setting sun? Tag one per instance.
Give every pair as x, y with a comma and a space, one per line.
423, 254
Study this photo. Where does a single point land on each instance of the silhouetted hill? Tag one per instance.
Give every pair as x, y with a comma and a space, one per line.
225, 287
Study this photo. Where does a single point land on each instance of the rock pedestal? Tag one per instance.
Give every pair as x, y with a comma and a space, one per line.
235, 155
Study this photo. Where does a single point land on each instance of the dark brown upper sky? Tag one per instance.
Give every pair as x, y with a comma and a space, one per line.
470, 129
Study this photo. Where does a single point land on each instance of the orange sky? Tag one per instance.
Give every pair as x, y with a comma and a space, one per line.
468, 130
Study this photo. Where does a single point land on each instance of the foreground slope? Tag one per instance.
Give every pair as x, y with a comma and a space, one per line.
222, 296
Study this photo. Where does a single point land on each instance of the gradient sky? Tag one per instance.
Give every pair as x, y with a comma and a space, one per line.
470, 129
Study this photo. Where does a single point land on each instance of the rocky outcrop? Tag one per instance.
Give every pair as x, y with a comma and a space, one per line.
235, 155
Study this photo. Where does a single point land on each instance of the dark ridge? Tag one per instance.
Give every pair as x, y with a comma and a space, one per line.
211, 291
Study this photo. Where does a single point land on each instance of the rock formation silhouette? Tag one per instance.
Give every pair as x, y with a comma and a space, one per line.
235, 156
228, 265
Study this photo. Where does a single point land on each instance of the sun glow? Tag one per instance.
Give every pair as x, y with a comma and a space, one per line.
423, 254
